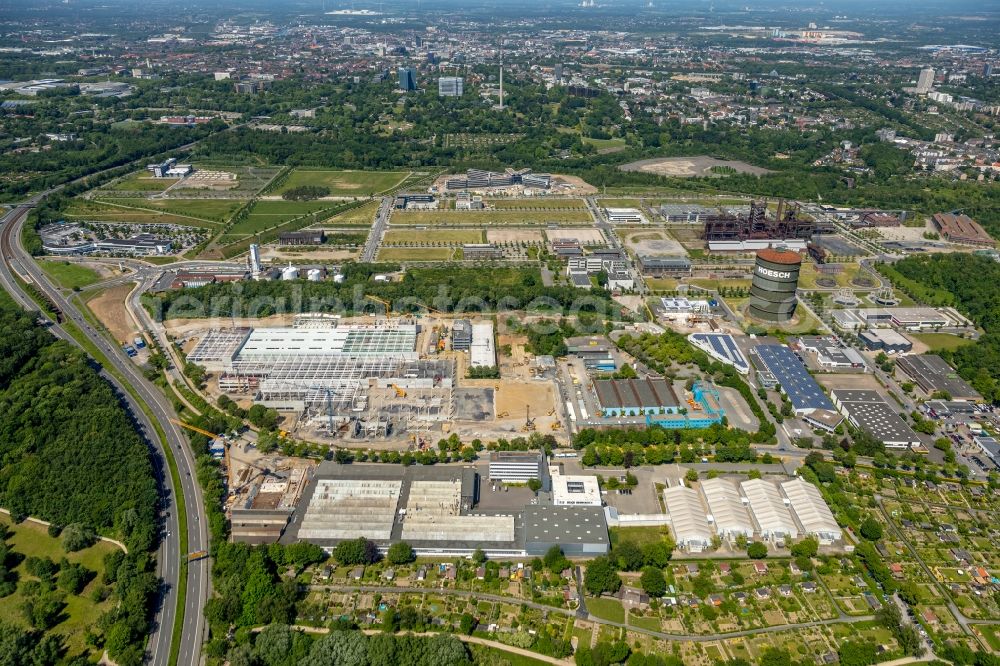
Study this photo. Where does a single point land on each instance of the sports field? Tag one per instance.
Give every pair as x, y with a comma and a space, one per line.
431, 236
418, 253
345, 183
462, 218
539, 203
99, 211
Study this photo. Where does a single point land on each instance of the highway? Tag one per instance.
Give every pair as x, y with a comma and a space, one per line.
169, 559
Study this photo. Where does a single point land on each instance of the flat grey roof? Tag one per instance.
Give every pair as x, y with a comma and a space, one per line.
565, 524
870, 412
933, 372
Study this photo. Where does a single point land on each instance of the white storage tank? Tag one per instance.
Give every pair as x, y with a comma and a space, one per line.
290, 273
338, 278
314, 275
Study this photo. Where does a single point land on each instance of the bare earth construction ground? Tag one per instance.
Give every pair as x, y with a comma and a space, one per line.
686, 167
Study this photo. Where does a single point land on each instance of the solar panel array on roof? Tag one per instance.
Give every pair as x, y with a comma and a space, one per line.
796, 382
721, 346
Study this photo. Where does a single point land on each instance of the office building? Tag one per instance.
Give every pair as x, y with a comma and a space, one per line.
461, 335
925, 82
516, 466
407, 78
450, 86
574, 490
961, 229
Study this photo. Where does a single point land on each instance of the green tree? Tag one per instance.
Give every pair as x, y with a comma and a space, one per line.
870, 529
400, 553
653, 582
601, 577
757, 550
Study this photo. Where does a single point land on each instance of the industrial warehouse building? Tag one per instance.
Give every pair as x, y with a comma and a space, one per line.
811, 510
869, 412
687, 519
574, 490
726, 509
911, 319
832, 355
932, 373
783, 368
434, 510
664, 266
887, 340
516, 466
625, 216
482, 351
632, 397
722, 347
772, 519
771, 510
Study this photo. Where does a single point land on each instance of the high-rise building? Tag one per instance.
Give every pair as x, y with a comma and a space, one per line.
987, 70
926, 80
557, 73
255, 264
775, 279
407, 78
450, 86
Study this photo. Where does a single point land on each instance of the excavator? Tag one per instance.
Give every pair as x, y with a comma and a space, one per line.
400, 393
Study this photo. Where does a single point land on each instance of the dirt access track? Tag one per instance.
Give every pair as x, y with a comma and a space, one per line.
687, 167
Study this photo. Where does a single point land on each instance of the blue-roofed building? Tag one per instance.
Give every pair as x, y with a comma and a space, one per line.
795, 381
722, 347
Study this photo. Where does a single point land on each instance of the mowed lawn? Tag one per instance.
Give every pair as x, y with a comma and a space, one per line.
416, 253
141, 181
490, 217
70, 275
270, 214
431, 236
346, 183
362, 215
941, 341
216, 210
96, 211
81, 613
608, 609
544, 203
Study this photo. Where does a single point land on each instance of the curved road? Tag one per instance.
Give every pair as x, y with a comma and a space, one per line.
170, 559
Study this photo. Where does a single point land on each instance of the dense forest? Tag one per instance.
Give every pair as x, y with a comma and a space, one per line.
972, 284
455, 289
70, 455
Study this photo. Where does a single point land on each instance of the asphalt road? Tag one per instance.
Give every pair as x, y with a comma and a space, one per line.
170, 558
377, 232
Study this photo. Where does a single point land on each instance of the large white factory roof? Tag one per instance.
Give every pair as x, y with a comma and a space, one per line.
354, 341
482, 353
725, 506
811, 509
768, 509
687, 518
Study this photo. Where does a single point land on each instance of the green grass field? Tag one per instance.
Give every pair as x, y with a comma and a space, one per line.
70, 275
637, 535
449, 236
609, 609
362, 215
489, 217
346, 183
98, 211
269, 214
604, 144
417, 253
81, 613
141, 181
215, 210
941, 341
544, 203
